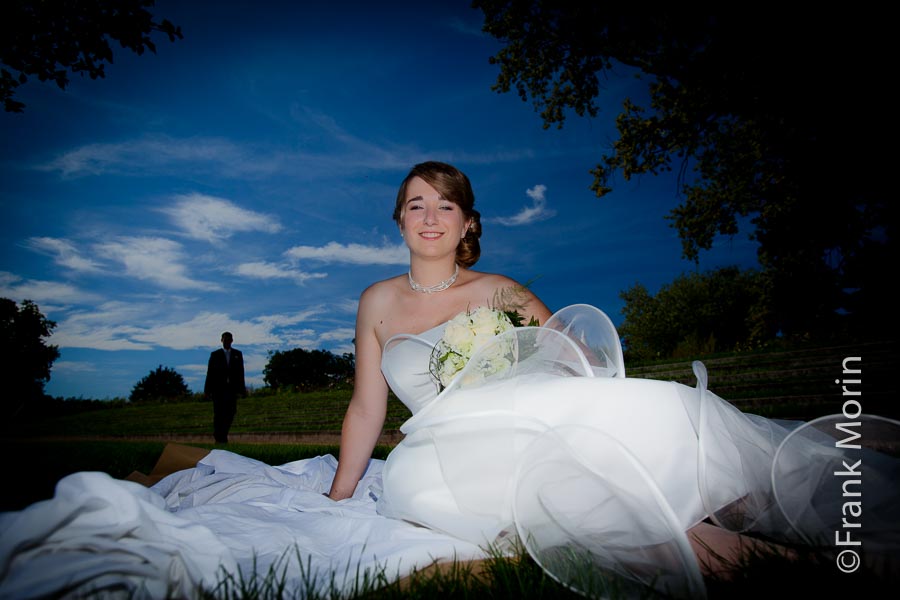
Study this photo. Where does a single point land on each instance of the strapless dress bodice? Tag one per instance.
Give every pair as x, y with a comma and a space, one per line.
578, 340
404, 363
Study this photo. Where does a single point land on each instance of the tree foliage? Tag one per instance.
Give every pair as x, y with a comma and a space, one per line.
695, 314
25, 357
306, 370
778, 122
48, 40
163, 384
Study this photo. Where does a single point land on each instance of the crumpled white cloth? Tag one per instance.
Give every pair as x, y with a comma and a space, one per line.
229, 514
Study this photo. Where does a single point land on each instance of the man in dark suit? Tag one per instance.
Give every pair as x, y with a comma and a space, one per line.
224, 384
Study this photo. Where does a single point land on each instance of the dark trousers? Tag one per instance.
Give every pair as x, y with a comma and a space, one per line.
224, 409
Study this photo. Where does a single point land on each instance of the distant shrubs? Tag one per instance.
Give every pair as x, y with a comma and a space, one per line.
47, 407
697, 314
161, 385
307, 370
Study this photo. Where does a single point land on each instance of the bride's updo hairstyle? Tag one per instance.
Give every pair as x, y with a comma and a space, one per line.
453, 185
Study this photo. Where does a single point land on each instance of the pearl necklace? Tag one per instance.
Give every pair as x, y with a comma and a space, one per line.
438, 287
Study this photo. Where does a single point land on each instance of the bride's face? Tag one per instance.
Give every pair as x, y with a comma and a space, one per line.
430, 223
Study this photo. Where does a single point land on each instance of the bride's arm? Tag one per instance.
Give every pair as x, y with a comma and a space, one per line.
368, 406
535, 308
509, 294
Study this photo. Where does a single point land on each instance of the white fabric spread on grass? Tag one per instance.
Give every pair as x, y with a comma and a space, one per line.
229, 514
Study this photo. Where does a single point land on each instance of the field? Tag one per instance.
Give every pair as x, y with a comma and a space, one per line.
279, 427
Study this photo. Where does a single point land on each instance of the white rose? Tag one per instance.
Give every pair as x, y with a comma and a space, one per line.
457, 335
451, 365
486, 321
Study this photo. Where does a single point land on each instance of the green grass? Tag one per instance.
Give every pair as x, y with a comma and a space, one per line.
37, 465
258, 413
500, 576
753, 575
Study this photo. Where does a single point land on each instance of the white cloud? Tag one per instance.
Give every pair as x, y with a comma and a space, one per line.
339, 334
112, 326
153, 259
195, 374
72, 366
280, 321
255, 361
264, 270
65, 254
14, 287
357, 254
212, 219
205, 330
73, 334
155, 154
354, 153
301, 338
347, 306
529, 214
344, 349
196, 369
342, 153
469, 28
109, 327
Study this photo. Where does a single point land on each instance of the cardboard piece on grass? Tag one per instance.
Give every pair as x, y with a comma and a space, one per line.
174, 457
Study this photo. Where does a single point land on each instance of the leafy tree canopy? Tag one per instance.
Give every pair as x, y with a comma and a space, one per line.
161, 385
25, 357
47, 40
307, 370
776, 120
694, 315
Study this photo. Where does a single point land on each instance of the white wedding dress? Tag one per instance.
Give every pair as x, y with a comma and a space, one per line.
600, 475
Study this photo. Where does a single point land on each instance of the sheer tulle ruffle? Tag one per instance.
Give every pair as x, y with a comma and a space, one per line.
591, 515
600, 476
846, 498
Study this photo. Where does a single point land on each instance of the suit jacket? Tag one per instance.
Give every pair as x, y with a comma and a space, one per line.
225, 379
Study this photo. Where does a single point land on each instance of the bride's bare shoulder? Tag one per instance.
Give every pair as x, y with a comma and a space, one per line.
492, 281
382, 292
504, 292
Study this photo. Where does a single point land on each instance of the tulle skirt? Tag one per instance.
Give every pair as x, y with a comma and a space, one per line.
600, 475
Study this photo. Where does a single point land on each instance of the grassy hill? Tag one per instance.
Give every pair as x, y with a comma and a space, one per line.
797, 383
276, 428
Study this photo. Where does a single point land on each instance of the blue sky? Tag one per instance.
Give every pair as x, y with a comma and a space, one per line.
243, 179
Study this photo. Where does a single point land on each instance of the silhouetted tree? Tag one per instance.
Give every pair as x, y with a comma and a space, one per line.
307, 370
162, 385
25, 357
695, 314
780, 121
47, 40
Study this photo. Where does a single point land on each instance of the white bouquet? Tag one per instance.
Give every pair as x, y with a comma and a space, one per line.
466, 334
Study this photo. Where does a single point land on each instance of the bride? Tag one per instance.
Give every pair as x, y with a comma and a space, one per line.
535, 439
601, 477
